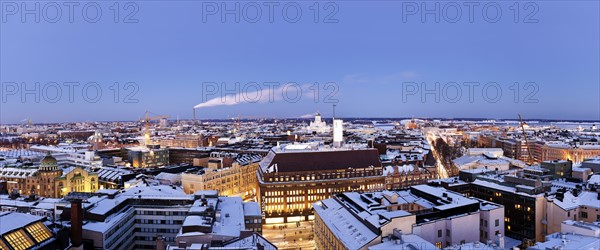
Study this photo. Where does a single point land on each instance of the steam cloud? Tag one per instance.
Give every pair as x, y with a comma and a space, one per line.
262, 95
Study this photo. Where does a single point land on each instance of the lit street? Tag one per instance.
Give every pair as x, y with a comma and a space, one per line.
290, 235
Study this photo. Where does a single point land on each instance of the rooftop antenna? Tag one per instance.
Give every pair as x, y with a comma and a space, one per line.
194, 114
334, 111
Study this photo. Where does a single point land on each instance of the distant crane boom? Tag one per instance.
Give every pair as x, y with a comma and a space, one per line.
530, 156
147, 120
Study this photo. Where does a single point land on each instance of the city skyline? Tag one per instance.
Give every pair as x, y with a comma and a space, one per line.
373, 55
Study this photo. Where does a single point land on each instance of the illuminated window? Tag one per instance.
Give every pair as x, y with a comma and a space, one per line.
3, 245
39, 232
18, 240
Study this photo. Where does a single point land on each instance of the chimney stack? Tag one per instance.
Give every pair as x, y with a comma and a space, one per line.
160, 243
501, 241
76, 223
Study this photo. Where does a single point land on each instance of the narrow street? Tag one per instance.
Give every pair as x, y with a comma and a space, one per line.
290, 235
441, 169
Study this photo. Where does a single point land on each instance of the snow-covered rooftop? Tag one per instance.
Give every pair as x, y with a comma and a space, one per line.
10, 221
346, 228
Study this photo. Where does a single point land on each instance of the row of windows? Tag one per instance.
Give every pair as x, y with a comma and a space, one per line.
163, 213
39, 232
255, 221
327, 176
279, 208
118, 226
484, 223
157, 230
163, 222
18, 240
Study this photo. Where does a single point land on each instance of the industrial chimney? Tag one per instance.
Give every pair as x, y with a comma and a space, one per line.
76, 224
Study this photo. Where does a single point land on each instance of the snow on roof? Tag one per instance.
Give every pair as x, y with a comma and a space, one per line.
48, 203
16, 172
571, 241
592, 228
409, 241
585, 198
197, 208
67, 170
346, 228
112, 174
252, 209
468, 161
207, 193
173, 178
140, 191
250, 242
10, 221
231, 221
103, 205
579, 169
406, 168
195, 220
594, 179
504, 188
16, 153
164, 192
98, 226
457, 199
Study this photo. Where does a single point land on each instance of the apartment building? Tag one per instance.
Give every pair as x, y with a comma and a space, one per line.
438, 216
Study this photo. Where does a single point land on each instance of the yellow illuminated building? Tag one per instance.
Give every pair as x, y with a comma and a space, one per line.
50, 180
76, 180
226, 175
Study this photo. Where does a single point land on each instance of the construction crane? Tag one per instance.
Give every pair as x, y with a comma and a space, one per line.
530, 156
147, 120
237, 122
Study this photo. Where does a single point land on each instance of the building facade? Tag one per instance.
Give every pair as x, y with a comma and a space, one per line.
399, 177
49, 180
440, 217
290, 180
230, 174
148, 157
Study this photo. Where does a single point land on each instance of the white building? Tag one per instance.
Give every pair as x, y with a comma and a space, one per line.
338, 133
573, 235
438, 216
318, 126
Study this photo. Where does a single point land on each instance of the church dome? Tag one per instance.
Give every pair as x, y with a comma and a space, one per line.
49, 160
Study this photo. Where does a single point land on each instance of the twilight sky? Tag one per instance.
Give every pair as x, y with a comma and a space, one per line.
374, 58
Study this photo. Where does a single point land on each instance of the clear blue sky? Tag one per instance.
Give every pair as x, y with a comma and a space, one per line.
368, 54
